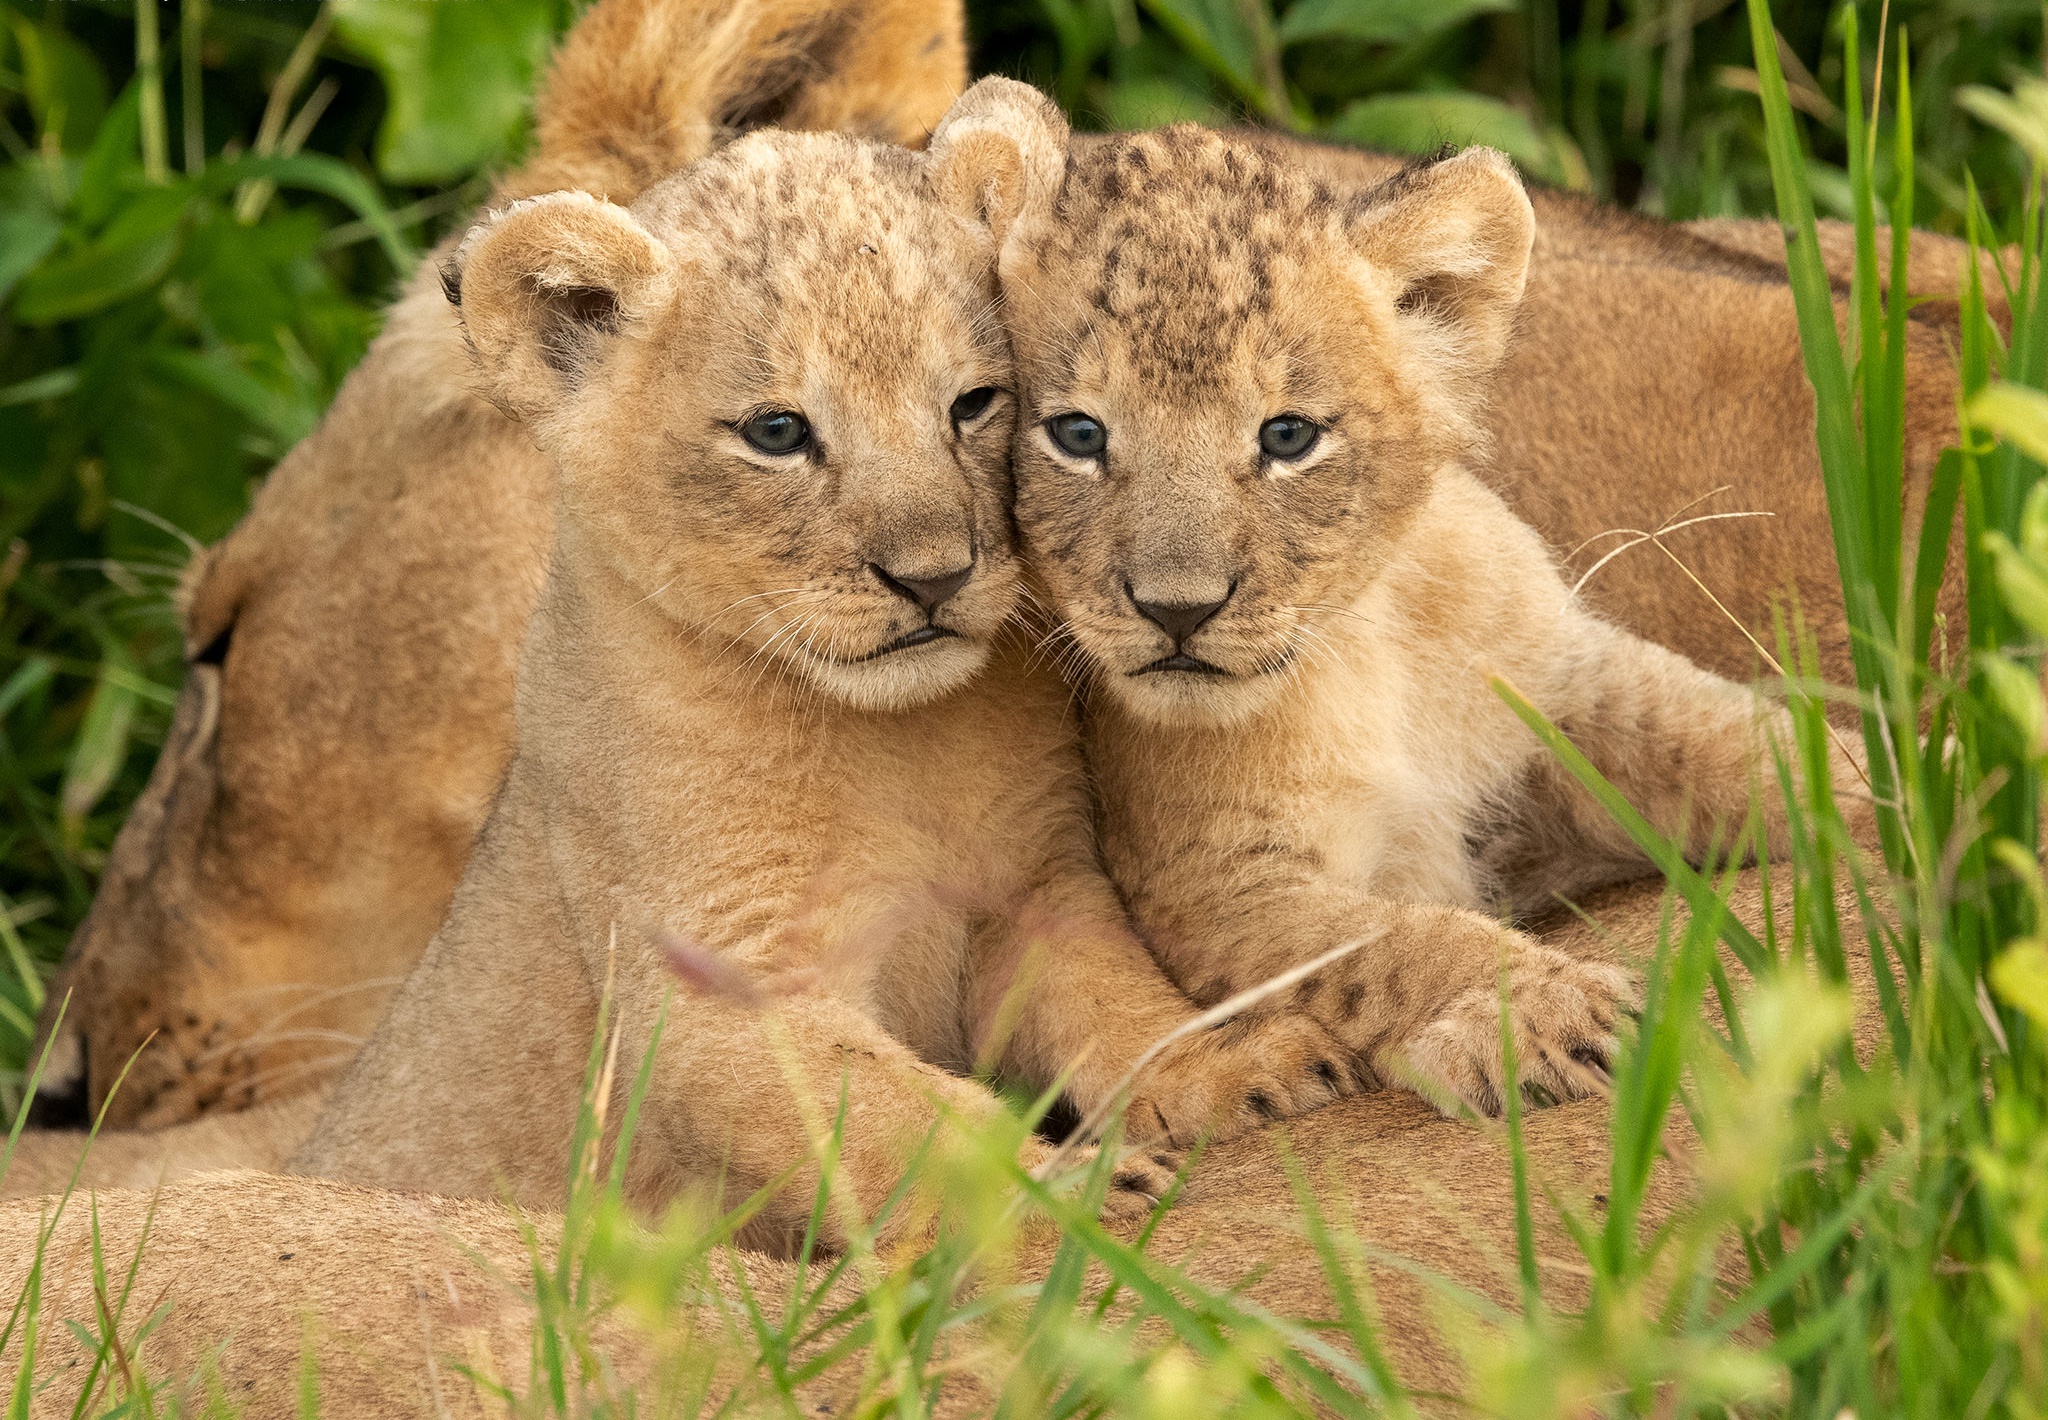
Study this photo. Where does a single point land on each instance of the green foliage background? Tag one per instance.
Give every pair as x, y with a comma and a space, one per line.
203, 205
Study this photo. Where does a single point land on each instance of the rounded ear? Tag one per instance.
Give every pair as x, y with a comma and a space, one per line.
1455, 236
999, 156
544, 285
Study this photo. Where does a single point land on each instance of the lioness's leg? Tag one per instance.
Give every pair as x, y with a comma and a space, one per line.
1066, 987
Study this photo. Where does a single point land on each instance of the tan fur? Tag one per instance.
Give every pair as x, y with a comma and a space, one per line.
319, 793
263, 1136
1290, 721
400, 1287
738, 730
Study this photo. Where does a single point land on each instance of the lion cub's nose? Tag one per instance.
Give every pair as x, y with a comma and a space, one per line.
930, 593
1179, 620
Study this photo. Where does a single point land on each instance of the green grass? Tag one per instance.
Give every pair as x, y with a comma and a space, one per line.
1893, 1211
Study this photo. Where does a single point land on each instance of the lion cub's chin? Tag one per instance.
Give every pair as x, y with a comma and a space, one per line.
1189, 700
900, 680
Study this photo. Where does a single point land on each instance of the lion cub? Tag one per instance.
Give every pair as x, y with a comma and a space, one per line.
1246, 399
766, 711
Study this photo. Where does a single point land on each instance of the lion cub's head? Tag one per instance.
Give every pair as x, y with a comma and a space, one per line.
1237, 384
777, 396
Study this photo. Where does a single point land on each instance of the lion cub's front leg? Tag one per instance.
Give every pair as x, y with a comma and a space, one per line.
1418, 1001
1072, 992
763, 1093
1690, 750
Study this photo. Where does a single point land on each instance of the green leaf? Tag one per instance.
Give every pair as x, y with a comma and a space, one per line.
2034, 524
26, 237
2021, 581
1215, 34
2020, 977
67, 93
2023, 117
2016, 414
287, 419
101, 746
51, 384
1423, 123
132, 255
1153, 101
112, 163
316, 172
1381, 21
2018, 696
32, 675
458, 76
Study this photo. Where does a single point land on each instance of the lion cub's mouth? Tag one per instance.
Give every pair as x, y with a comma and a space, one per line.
923, 636
1183, 662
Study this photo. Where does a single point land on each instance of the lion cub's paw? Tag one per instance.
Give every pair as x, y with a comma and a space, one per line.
1564, 1012
1141, 1178
1240, 1075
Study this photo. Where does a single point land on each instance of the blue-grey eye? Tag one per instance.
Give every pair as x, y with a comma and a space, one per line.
777, 431
1079, 435
1288, 437
972, 405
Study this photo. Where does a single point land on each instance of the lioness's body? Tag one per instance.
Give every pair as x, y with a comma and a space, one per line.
401, 1289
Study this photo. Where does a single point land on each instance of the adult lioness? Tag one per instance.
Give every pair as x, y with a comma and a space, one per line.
1246, 399
750, 716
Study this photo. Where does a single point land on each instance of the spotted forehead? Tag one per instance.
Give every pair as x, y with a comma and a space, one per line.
829, 237
1173, 243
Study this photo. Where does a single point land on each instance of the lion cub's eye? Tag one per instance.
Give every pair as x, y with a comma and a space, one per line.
777, 431
972, 405
1079, 435
1288, 437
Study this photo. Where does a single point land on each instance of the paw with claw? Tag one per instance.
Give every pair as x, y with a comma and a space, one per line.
1239, 1076
1564, 1013
1141, 1177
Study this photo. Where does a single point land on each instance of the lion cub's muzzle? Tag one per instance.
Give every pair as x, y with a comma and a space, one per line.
926, 590
1180, 618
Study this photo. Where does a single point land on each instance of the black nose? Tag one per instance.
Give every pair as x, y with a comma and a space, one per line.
1178, 620
930, 593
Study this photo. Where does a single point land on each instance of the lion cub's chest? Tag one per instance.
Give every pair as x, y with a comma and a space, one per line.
1389, 780
874, 847
1399, 752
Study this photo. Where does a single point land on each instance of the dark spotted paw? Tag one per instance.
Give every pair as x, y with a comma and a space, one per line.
1141, 1178
1242, 1074
1564, 1014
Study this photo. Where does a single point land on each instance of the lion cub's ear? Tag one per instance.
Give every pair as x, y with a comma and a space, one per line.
545, 285
998, 157
1455, 237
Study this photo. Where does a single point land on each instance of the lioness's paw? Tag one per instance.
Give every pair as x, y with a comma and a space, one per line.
1141, 1177
1564, 1013
1240, 1075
